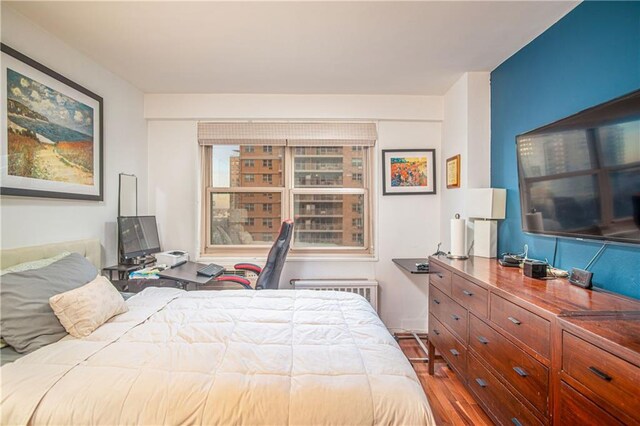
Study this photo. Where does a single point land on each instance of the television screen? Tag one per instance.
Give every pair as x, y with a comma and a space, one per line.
138, 236
580, 176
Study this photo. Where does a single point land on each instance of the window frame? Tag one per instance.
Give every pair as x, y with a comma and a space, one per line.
287, 193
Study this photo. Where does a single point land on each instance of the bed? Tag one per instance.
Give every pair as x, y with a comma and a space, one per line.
222, 357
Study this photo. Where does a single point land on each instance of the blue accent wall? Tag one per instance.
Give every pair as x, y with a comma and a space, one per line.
590, 56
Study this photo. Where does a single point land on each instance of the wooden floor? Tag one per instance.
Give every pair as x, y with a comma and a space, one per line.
450, 401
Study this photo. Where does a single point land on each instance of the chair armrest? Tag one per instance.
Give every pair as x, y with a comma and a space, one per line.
236, 279
248, 267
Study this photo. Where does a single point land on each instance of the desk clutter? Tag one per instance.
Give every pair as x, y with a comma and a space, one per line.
148, 273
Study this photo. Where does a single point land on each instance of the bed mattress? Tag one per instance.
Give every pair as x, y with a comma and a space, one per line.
222, 357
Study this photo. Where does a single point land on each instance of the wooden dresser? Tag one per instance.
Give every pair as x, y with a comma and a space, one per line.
535, 352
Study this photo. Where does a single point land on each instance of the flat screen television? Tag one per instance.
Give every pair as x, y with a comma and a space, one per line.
138, 236
580, 176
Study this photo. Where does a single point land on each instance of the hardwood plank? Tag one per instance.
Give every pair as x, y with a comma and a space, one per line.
450, 401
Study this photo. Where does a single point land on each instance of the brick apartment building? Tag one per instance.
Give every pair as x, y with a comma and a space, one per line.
321, 219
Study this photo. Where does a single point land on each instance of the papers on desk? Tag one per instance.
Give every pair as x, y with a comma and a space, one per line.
148, 273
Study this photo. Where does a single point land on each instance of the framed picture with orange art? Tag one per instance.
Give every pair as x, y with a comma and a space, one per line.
52, 140
408, 171
453, 172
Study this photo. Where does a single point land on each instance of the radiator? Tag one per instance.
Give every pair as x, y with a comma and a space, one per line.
365, 288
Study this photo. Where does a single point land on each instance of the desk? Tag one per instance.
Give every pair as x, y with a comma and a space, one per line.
409, 265
186, 274
137, 285
123, 270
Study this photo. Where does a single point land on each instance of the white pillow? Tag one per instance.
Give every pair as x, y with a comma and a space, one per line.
86, 308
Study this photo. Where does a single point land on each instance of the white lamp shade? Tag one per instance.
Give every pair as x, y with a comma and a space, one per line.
486, 203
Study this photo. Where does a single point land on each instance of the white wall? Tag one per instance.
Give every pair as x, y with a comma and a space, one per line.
30, 221
407, 225
466, 130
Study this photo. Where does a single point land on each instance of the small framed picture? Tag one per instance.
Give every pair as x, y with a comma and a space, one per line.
453, 172
53, 133
409, 171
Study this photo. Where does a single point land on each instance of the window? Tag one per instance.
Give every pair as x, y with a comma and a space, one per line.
325, 189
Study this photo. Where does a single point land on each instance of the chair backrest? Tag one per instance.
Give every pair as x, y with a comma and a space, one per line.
269, 278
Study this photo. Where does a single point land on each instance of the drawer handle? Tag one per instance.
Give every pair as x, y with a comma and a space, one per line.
467, 292
436, 301
482, 383
514, 320
454, 352
516, 422
520, 371
436, 332
439, 275
455, 317
483, 340
600, 374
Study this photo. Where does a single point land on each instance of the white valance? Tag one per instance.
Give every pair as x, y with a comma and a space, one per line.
291, 134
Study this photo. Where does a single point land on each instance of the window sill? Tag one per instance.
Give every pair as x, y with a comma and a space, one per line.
229, 260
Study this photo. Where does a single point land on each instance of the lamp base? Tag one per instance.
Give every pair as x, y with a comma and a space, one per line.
455, 257
485, 236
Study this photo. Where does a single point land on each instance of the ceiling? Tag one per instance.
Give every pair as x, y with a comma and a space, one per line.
296, 47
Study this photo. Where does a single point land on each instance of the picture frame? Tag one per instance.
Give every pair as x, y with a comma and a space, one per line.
53, 133
408, 171
453, 172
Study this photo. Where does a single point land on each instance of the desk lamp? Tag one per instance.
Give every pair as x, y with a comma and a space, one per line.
486, 206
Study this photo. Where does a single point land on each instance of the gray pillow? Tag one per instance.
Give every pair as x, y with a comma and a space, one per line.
27, 321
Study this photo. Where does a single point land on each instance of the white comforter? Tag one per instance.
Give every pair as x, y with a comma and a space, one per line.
222, 357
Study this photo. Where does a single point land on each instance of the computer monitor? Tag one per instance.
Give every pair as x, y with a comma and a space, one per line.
138, 236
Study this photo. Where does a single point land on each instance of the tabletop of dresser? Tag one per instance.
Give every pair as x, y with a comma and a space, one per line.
546, 296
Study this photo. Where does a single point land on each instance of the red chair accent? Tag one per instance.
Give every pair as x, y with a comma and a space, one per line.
236, 279
248, 267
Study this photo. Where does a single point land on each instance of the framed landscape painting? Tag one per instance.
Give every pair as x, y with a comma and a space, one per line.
52, 133
409, 171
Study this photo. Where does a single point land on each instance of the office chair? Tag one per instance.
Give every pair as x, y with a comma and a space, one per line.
269, 276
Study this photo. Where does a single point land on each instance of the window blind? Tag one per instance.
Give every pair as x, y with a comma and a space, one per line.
291, 134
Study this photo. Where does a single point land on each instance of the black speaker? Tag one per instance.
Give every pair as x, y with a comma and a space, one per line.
535, 268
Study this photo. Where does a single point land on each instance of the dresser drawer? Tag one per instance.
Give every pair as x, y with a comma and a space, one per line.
575, 409
527, 327
437, 302
470, 295
440, 277
611, 378
448, 312
529, 377
495, 397
449, 347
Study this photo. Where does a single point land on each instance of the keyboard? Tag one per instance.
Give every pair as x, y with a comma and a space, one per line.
211, 270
